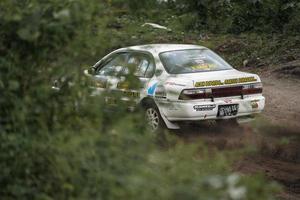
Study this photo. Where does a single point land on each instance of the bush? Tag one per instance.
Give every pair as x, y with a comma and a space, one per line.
135, 6
238, 17
64, 144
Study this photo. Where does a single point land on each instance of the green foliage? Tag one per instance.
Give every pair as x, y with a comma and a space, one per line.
135, 6
118, 164
224, 16
65, 144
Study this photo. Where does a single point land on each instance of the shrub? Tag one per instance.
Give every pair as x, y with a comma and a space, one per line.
238, 17
64, 144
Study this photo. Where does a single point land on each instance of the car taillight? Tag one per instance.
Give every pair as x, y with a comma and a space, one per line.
195, 94
219, 92
255, 88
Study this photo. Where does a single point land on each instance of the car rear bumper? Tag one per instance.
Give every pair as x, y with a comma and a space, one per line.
204, 110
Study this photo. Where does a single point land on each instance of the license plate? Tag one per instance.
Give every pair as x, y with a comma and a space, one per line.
228, 110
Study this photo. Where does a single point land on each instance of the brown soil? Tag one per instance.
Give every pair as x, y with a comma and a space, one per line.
275, 135
282, 94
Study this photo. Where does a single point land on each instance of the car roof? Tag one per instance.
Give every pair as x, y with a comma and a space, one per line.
159, 48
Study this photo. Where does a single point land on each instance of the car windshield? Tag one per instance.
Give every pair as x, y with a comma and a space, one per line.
192, 61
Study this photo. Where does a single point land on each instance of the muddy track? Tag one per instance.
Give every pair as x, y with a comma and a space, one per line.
280, 162
282, 100
277, 148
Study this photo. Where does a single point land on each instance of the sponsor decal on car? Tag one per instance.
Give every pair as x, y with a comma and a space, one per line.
204, 107
226, 82
203, 66
100, 84
208, 83
174, 84
123, 85
131, 93
151, 89
227, 100
240, 80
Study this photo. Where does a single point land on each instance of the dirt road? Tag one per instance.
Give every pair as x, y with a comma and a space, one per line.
282, 100
277, 143
281, 162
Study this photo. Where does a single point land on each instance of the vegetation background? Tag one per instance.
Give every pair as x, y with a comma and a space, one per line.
63, 145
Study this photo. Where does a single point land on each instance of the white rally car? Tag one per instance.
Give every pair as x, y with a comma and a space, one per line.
176, 83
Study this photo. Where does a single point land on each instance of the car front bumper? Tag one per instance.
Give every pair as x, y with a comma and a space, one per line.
205, 109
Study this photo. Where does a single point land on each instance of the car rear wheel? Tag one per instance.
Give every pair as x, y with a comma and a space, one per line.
154, 119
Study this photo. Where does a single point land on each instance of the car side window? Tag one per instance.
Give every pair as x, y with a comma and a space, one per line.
114, 65
141, 64
150, 70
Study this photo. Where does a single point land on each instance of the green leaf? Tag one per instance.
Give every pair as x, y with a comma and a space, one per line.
28, 34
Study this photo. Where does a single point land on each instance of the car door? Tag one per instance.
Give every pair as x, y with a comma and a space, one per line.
137, 73
111, 68
124, 75
106, 76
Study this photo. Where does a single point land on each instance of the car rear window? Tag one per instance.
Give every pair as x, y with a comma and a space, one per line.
192, 61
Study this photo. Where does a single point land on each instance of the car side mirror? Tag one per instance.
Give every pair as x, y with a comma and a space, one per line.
90, 72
